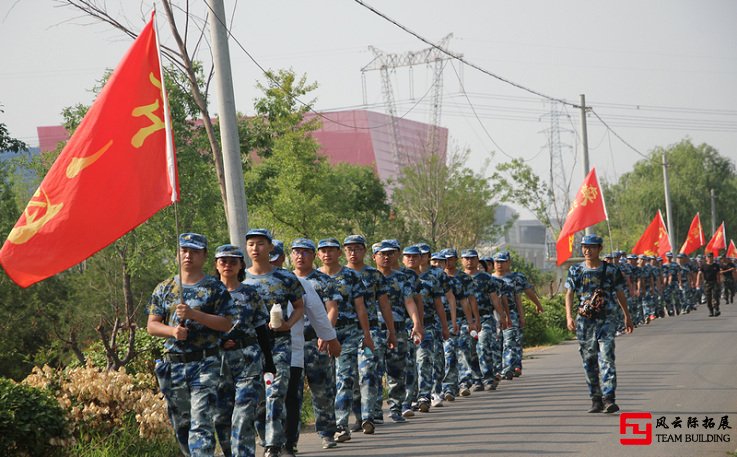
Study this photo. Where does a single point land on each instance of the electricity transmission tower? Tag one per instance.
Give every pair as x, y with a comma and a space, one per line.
384, 62
559, 180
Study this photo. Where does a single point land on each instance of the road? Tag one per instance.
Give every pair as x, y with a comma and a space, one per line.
675, 367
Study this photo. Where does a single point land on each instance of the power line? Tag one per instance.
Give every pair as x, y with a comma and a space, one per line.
617, 135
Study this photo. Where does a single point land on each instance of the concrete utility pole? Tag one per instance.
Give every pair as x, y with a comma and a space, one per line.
668, 211
713, 211
585, 145
237, 210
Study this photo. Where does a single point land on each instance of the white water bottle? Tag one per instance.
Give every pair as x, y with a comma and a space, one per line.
276, 316
474, 334
268, 379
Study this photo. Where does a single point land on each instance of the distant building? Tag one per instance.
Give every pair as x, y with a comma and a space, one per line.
527, 238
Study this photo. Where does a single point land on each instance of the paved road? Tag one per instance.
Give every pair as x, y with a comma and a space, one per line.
675, 367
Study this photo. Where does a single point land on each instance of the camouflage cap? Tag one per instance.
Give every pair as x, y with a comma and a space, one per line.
354, 239
303, 243
277, 251
591, 240
228, 250
328, 243
411, 250
469, 253
259, 232
502, 256
437, 256
395, 244
192, 241
450, 253
424, 248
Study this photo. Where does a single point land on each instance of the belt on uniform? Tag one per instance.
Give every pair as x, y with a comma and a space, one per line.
242, 343
310, 334
398, 326
187, 357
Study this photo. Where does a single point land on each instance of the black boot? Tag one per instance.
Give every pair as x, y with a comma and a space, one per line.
597, 405
609, 406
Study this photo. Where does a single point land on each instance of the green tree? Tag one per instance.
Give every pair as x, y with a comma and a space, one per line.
693, 172
445, 204
7, 142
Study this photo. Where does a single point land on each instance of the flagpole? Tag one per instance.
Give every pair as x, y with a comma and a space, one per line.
170, 158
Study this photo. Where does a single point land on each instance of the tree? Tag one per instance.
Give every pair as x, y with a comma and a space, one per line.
516, 183
8, 143
445, 204
693, 172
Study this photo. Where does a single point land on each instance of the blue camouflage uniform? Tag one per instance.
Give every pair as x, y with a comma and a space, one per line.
469, 372
278, 287
670, 286
188, 374
451, 378
240, 386
430, 289
350, 286
318, 366
488, 345
445, 283
596, 335
410, 379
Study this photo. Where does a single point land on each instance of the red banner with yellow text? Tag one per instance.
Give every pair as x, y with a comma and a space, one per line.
718, 241
116, 171
695, 237
586, 210
732, 250
654, 241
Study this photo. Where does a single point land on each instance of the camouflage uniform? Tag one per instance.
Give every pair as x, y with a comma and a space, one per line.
411, 375
278, 287
349, 287
468, 370
190, 387
318, 366
670, 291
596, 336
400, 289
438, 361
488, 345
430, 289
450, 346
240, 384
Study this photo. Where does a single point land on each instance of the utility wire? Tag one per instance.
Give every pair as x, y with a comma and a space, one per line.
460, 58
617, 135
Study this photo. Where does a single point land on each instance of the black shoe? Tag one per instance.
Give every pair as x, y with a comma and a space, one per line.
717, 313
271, 451
356, 427
596, 406
610, 407
368, 427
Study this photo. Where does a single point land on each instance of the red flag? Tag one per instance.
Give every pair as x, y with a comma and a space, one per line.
695, 237
116, 171
654, 241
718, 241
731, 250
587, 209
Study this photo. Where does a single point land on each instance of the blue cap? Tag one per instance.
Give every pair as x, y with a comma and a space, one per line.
277, 251
502, 256
328, 243
382, 247
450, 252
393, 243
437, 256
669, 254
469, 253
487, 259
192, 241
424, 248
354, 239
303, 243
228, 250
609, 255
591, 240
259, 232
411, 250
632, 257
681, 255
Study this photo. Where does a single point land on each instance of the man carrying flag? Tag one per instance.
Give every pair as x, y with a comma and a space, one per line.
586, 210
710, 278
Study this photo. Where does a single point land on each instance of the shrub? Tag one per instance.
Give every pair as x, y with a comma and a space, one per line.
31, 422
548, 327
147, 349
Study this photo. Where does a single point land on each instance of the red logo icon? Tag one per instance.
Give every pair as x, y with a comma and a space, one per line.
637, 427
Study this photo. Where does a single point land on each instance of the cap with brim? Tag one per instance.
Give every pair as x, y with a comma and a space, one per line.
303, 243
411, 250
393, 243
487, 259
424, 248
384, 247
450, 252
277, 251
354, 239
501, 256
669, 254
259, 232
192, 241
469, 253
682, 255
228, 250
632, 257
328, 243
437, 256
591, 240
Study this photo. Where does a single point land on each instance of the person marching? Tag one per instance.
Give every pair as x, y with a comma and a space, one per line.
245, 351
277, 287
599, 290
191, 311
367, 392
351, 308
401, 297
728, 272
709, 278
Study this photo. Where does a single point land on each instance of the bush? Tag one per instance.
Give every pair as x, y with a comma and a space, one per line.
31, 421
147, 349
99, 401
548, 327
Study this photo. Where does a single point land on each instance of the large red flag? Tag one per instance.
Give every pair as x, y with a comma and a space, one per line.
587, 209
116, 171
695, 237
718, 241
654, 241
731, 250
